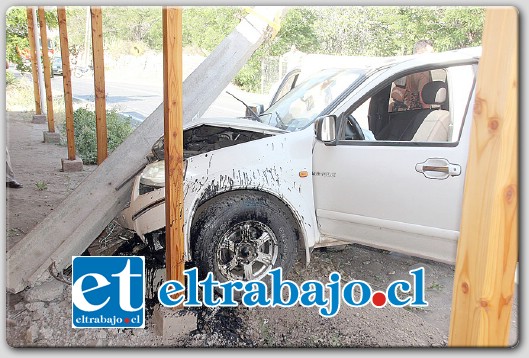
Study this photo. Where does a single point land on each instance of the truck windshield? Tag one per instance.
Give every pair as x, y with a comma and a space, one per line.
304, 103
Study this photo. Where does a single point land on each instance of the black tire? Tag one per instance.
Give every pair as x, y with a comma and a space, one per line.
240, 216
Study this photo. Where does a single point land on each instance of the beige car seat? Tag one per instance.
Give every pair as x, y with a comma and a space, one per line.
436, 125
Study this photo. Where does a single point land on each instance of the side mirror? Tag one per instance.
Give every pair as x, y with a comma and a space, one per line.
256, 108
325, 129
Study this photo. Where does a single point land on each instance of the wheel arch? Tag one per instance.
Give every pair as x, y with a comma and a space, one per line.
204, 202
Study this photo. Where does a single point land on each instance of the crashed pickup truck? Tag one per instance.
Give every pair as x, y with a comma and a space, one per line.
336, 159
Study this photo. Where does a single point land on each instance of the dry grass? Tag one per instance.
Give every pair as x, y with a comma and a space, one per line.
19, 98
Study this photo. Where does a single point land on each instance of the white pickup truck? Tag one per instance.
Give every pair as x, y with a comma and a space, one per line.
336, 159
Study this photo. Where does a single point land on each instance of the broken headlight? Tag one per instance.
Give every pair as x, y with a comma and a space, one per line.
154, 174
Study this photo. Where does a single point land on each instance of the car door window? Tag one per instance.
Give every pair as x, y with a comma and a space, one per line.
422, 106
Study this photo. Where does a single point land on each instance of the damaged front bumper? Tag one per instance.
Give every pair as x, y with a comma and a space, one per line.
146, 211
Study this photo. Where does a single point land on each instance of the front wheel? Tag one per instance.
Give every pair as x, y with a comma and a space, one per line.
243, 237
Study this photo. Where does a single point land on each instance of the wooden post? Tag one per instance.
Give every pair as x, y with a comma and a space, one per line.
40, 70
32, 49
47, 70
99, 83
173, 142
66, 81
488, 247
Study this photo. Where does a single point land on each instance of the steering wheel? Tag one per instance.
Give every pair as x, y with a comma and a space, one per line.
353, 131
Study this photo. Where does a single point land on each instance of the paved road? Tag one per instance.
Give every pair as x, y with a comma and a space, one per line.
138, 95
140, 99
134, 99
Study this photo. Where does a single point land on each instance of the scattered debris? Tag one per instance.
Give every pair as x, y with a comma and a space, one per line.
110, 240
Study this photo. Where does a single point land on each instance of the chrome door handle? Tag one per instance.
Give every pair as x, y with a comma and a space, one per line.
431, 168
438, 168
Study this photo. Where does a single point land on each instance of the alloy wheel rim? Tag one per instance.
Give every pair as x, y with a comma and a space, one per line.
247, 251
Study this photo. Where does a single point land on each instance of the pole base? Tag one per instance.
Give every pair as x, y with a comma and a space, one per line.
173, 323
39, 119
51, 137
75, 165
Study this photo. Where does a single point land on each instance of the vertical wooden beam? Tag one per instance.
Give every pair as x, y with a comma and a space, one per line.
47, 70
32, 49
99, 83
66, 81
488, 247
40, 70
173, 142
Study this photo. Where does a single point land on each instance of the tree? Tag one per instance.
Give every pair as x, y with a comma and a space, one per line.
127, 27
297, 28
17, 33
205, 27
367, 31
390, 31
336, 30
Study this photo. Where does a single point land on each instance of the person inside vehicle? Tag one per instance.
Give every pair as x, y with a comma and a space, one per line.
406, 93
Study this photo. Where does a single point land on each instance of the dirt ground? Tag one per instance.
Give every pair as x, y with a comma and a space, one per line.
44, 319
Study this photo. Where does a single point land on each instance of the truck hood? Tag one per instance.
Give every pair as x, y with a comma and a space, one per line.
234, 123
207, 134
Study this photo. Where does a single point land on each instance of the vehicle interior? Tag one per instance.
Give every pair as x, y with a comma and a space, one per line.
390, 116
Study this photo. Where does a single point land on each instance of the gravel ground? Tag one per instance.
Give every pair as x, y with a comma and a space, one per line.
42, 316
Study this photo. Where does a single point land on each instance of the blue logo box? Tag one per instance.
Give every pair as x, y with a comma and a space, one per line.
108, 292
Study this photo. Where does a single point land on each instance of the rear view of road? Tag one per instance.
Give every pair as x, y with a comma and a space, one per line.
137, 100
138, 97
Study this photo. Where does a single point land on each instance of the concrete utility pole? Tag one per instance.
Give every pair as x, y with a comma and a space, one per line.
86, 36
487, 251
81, 217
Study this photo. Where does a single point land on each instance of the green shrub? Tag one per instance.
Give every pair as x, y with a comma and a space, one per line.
249, 77
10, 78
118, 128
